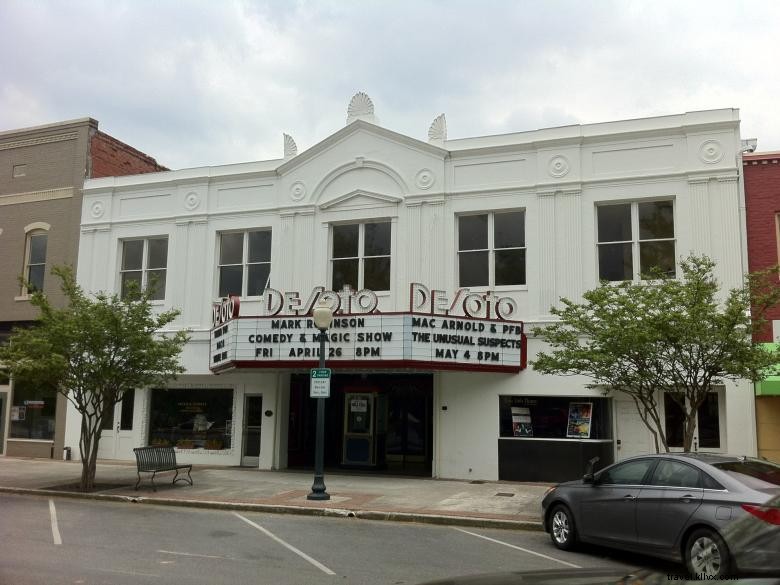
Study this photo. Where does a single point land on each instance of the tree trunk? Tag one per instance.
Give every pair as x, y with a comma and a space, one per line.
690, 429
88, 447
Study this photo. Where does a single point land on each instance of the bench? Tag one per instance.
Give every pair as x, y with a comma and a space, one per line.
156, 459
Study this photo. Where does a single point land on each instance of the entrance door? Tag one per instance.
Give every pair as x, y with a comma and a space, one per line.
359, 446
253, 422
633, 437
116, 438
706, 436
2, 420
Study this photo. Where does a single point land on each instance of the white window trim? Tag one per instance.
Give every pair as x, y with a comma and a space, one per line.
491, 250
144, 270
635, 241
31, 230
245, 264
361, 257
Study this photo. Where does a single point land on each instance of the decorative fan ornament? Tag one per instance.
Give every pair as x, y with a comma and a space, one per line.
290, 148
361, 108
438, 130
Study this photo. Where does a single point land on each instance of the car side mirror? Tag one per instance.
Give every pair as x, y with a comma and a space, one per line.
588, 478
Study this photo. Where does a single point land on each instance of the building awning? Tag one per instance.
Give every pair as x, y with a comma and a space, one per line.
769, 386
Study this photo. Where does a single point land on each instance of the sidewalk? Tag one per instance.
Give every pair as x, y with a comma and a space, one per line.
376, 497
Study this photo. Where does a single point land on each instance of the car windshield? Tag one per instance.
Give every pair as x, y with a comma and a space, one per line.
754, 474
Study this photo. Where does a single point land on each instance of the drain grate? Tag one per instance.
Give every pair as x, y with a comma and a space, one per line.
478, 482
505, 494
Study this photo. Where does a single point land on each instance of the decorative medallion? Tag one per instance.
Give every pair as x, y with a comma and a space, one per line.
710, 152
191, 201
558, 166
438, 130
297, 191
424, 179
97, 210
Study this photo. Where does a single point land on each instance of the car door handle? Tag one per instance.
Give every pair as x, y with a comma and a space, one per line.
686, 498
629, 497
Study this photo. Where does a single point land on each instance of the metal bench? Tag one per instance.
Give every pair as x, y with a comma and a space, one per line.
157, 459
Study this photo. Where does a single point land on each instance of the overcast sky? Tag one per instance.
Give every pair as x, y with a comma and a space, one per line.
213, 82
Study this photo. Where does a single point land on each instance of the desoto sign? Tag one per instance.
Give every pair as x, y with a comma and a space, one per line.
467, 331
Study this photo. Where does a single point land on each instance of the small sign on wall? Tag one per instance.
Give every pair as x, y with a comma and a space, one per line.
18, 413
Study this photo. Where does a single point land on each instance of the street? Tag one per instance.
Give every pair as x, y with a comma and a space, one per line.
61, 540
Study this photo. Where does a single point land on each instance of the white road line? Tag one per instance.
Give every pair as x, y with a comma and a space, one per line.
55, 530
298, 552
520, 548
133, 573
184, 554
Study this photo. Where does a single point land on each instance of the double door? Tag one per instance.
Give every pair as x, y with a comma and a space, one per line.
116, 437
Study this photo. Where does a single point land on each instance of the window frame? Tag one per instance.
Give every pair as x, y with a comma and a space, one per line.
33, 230
636, 241
361, 250
145, 269
245, 263
491, 250
719, 393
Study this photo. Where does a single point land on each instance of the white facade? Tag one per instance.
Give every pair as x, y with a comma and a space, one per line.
364, 172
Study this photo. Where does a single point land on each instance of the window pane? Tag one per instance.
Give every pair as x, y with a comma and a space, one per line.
230, 280
194, 418
257, 278
35, 277
614, 222
627, 474
33, 412
473, 268
675, 474
128, 405
231, 248
656, 220
509, 229
155, 280
131, 280
657, 254
472, 232
345, 241
132, 255
510, 267
615, 262
108, 419
345, 272
709, 422
260, 246
38, 249
158, 253
376, 274
675, 421
377, 239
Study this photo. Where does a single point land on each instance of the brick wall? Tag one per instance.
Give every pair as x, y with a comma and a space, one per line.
111, 157
762, 197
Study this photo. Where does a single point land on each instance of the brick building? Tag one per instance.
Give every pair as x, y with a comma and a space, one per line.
42, 172
762, 196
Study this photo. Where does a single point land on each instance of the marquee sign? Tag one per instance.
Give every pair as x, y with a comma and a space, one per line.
431, 335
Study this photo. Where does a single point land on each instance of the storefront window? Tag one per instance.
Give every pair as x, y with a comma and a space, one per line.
33, 412
192, 418
547, 417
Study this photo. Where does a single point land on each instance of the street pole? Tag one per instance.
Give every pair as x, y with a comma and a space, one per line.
318, 487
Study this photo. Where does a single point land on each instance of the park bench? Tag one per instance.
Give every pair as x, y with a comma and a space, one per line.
157, 459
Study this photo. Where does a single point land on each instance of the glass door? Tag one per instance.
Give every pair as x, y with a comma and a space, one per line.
707, 436
116, 438
253, 422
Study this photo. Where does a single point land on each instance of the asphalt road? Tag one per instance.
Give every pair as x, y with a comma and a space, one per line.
59, 541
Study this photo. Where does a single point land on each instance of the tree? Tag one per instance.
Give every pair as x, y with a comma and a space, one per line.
665, 335
93, 351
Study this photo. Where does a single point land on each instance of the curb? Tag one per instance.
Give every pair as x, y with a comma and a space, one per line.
438, 519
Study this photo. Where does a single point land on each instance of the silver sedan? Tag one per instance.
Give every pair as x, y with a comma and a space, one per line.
673, 506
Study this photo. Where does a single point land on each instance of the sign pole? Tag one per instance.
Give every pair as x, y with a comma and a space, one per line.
318, 487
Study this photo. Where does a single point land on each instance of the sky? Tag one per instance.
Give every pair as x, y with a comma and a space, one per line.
197, 83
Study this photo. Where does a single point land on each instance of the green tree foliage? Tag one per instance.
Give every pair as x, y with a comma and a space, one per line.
681, 336
94, 350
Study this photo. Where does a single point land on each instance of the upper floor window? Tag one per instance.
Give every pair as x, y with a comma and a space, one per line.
634, 238
244, 263
35, 260
361, 256
491, 249
144, 264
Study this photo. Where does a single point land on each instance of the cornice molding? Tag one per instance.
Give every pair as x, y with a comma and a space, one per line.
36, 141
33, 196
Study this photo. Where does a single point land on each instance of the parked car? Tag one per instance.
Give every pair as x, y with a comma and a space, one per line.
673, 506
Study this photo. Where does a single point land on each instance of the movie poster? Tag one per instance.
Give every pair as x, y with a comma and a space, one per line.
521, 422
580, 415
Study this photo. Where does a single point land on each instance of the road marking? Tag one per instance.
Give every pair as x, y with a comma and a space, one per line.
298, 552
55, 530
520, 548
134, 573
184, 554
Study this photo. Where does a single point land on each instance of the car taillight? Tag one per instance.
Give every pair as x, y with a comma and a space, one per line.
765, 513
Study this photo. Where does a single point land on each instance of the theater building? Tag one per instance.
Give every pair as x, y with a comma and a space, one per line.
439, 256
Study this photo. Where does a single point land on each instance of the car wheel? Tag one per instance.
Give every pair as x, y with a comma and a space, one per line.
562, 529
705, 552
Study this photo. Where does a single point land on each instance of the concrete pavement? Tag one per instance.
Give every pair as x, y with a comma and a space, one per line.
377, 497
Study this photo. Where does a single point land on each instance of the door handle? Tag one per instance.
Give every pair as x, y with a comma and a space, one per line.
629, 497
686, 498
